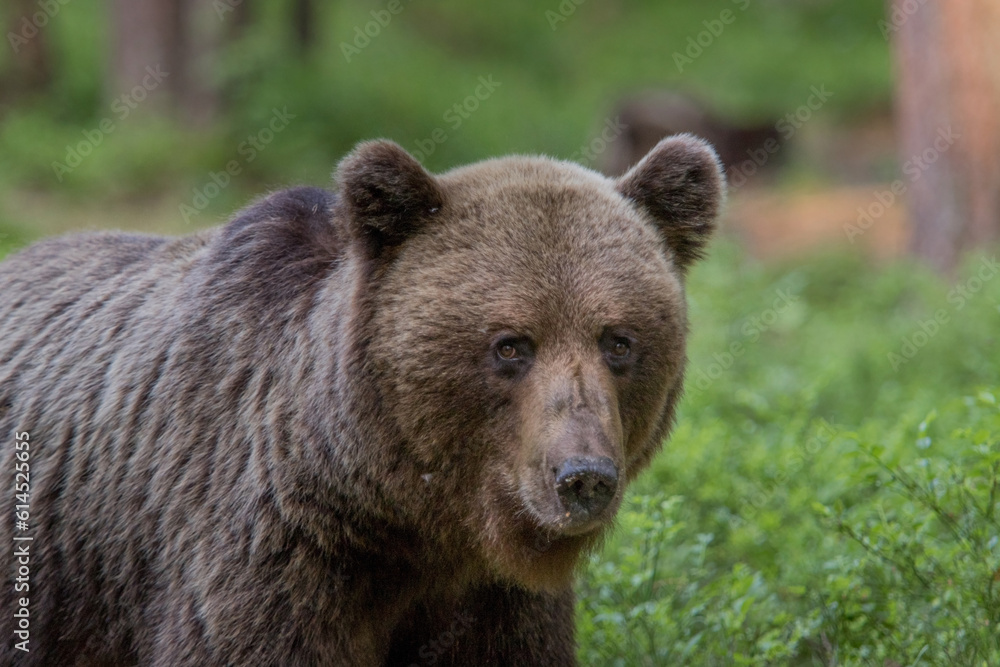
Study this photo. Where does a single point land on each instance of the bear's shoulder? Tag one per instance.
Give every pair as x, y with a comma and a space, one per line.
304, 209
283, 223
277, 247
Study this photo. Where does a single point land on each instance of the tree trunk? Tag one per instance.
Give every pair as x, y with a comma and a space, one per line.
176, 36
200, 31
948, 109
31, 69
145, 35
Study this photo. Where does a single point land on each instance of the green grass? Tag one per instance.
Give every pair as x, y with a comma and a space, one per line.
816, 506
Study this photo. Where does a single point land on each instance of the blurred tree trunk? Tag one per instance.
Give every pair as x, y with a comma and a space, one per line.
241, 15
31, 69
948, 108
303, 20
145, 35
173, 38
197, 94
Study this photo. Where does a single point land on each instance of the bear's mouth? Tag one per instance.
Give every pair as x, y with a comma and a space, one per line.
533, 543
577, 529
560, 521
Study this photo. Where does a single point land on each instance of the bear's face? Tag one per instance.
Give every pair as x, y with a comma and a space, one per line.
528, 341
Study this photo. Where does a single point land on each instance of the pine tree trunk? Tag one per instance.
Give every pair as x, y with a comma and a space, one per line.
176, 36
948, 109
26, 36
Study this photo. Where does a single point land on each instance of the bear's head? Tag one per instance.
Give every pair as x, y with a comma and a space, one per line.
527, 337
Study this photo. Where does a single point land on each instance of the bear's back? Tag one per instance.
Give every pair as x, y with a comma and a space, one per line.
50, 288
114, 351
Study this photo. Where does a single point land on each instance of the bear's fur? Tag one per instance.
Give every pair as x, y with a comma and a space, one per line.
331, 431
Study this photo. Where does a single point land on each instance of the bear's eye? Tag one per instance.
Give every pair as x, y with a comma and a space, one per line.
617, 348
512, 355
507, 351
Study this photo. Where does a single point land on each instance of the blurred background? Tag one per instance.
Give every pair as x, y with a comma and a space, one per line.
830, 495
119, 112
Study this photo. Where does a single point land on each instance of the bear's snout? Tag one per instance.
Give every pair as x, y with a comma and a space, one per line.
586, 486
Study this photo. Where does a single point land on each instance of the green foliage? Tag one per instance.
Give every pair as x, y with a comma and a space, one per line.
926, 589
663, 601
816, 505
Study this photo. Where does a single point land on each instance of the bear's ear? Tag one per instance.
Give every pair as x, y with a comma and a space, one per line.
385, 193
680, 184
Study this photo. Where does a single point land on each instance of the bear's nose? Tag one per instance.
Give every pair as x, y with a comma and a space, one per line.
586, 485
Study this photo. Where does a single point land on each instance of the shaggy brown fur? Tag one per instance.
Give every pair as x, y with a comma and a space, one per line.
298, 439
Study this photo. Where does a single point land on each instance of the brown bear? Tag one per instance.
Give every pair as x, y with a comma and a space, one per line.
371, 427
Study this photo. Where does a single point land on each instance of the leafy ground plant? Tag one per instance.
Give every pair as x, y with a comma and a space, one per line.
926, 587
